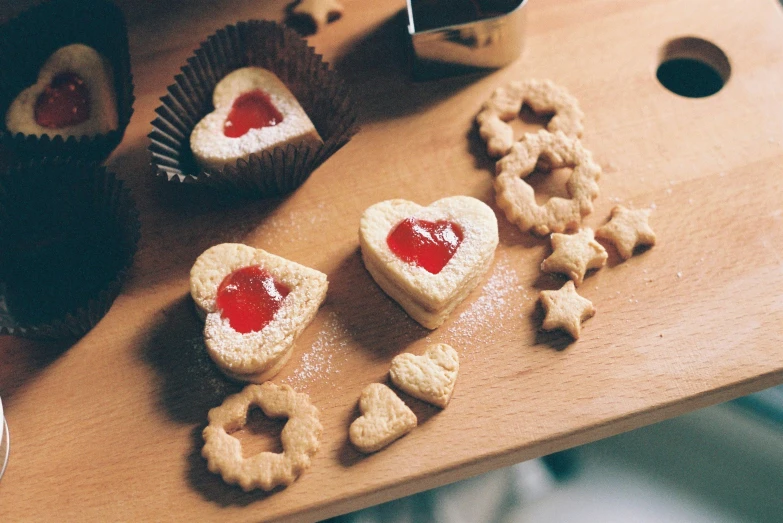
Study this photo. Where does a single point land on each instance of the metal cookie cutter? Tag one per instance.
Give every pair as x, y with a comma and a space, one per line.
489, 38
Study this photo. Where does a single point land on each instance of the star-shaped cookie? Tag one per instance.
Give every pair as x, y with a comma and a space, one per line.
574, 254
627, 229
566, 310
320, 12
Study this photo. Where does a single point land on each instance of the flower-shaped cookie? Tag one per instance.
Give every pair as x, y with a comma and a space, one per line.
428, 259
265, 470
385, 418
254, 111
542, 96
517, 198
73, 96
256, 304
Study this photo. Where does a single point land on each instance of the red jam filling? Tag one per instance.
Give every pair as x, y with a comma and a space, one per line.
249, 298
251, 110
429, 245
64, 102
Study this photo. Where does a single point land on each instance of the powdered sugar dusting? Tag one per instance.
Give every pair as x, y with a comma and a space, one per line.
317, 363
292, 224
486, 317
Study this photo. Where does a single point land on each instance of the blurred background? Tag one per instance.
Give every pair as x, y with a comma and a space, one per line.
721, 464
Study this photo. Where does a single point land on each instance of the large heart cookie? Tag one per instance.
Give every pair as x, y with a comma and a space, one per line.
256, 304
430, 377
428, 259
73, 96
254, 112
384, 419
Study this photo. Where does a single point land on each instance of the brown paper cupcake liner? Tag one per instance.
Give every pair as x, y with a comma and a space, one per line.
322, 94
68, 234
27, 41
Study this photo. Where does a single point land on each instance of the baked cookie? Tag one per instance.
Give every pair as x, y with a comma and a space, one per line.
256, 304
566, 310
266, 470
428, 259
385, 418
254, 112
627, 229
430, 377
73, 96
575, 254
542, 96
517, 198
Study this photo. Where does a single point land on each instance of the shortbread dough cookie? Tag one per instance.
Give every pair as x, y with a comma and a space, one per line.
254, 112
266, 470
385, 418
627, 229
239, 349
517, 198
430, 377
565, 309
542, 96
73, 96
428, 242
575, 254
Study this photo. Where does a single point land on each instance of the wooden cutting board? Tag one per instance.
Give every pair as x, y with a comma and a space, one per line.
111, 428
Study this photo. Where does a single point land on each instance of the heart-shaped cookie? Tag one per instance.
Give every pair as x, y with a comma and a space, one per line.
73, 96
256, 304
384, 419
254, 112
428, 259
430, 377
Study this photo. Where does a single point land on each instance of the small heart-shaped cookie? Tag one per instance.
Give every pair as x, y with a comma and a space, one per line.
428, 259
256, 304
73, 96
430, 377
384, 419
254, 112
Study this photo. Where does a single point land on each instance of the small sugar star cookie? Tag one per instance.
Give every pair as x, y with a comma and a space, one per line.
321, 12
566, 310
574, 254
627, 229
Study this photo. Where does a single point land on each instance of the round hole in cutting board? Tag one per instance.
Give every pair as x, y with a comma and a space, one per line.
693, 67
260, 434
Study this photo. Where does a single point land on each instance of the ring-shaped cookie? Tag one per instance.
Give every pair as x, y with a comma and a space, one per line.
266, 470
517, 198
542, 96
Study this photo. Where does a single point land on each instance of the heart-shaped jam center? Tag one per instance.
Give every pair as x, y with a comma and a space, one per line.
64, 102
249, 298
429, 245
251, 110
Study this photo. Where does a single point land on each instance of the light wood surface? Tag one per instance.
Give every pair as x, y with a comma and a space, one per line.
110, 429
